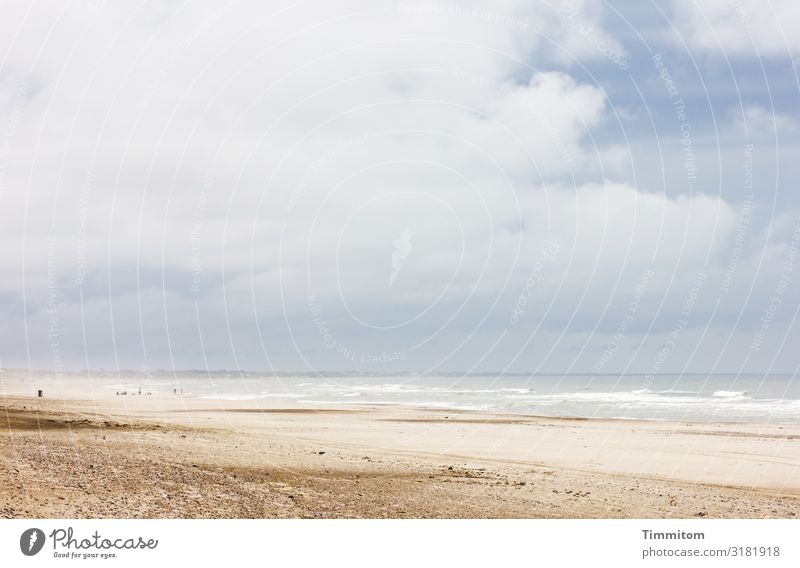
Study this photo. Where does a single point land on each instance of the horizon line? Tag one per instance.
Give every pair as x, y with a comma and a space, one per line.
380, 373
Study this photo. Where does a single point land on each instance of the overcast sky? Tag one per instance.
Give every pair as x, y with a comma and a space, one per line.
393, 185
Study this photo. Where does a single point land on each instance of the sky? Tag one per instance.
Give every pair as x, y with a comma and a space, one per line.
385, 186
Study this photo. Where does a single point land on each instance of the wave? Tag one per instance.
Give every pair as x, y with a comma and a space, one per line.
732, 394
253, 396
695, 401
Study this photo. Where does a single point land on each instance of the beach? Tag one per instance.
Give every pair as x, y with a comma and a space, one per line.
101, 455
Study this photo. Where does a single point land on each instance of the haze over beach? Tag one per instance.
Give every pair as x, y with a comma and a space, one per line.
399, 258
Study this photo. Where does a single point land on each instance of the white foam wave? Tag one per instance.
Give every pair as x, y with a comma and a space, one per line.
731, 394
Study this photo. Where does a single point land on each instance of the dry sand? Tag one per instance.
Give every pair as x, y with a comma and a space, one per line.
177, 457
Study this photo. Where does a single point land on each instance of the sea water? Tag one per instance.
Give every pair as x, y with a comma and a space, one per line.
687, 397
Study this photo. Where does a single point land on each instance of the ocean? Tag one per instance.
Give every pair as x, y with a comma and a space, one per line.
688, 397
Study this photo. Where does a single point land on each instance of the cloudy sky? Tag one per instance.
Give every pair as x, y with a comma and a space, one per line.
395, 185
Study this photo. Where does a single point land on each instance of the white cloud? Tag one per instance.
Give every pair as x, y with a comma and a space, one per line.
740, 27
758, 122
282, 150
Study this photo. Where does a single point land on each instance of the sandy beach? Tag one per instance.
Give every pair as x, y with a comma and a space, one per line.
161, 456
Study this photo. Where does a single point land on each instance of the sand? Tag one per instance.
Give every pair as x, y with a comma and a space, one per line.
178, 457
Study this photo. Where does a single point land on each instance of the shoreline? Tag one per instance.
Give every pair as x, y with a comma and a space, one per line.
56, 390
263, 461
